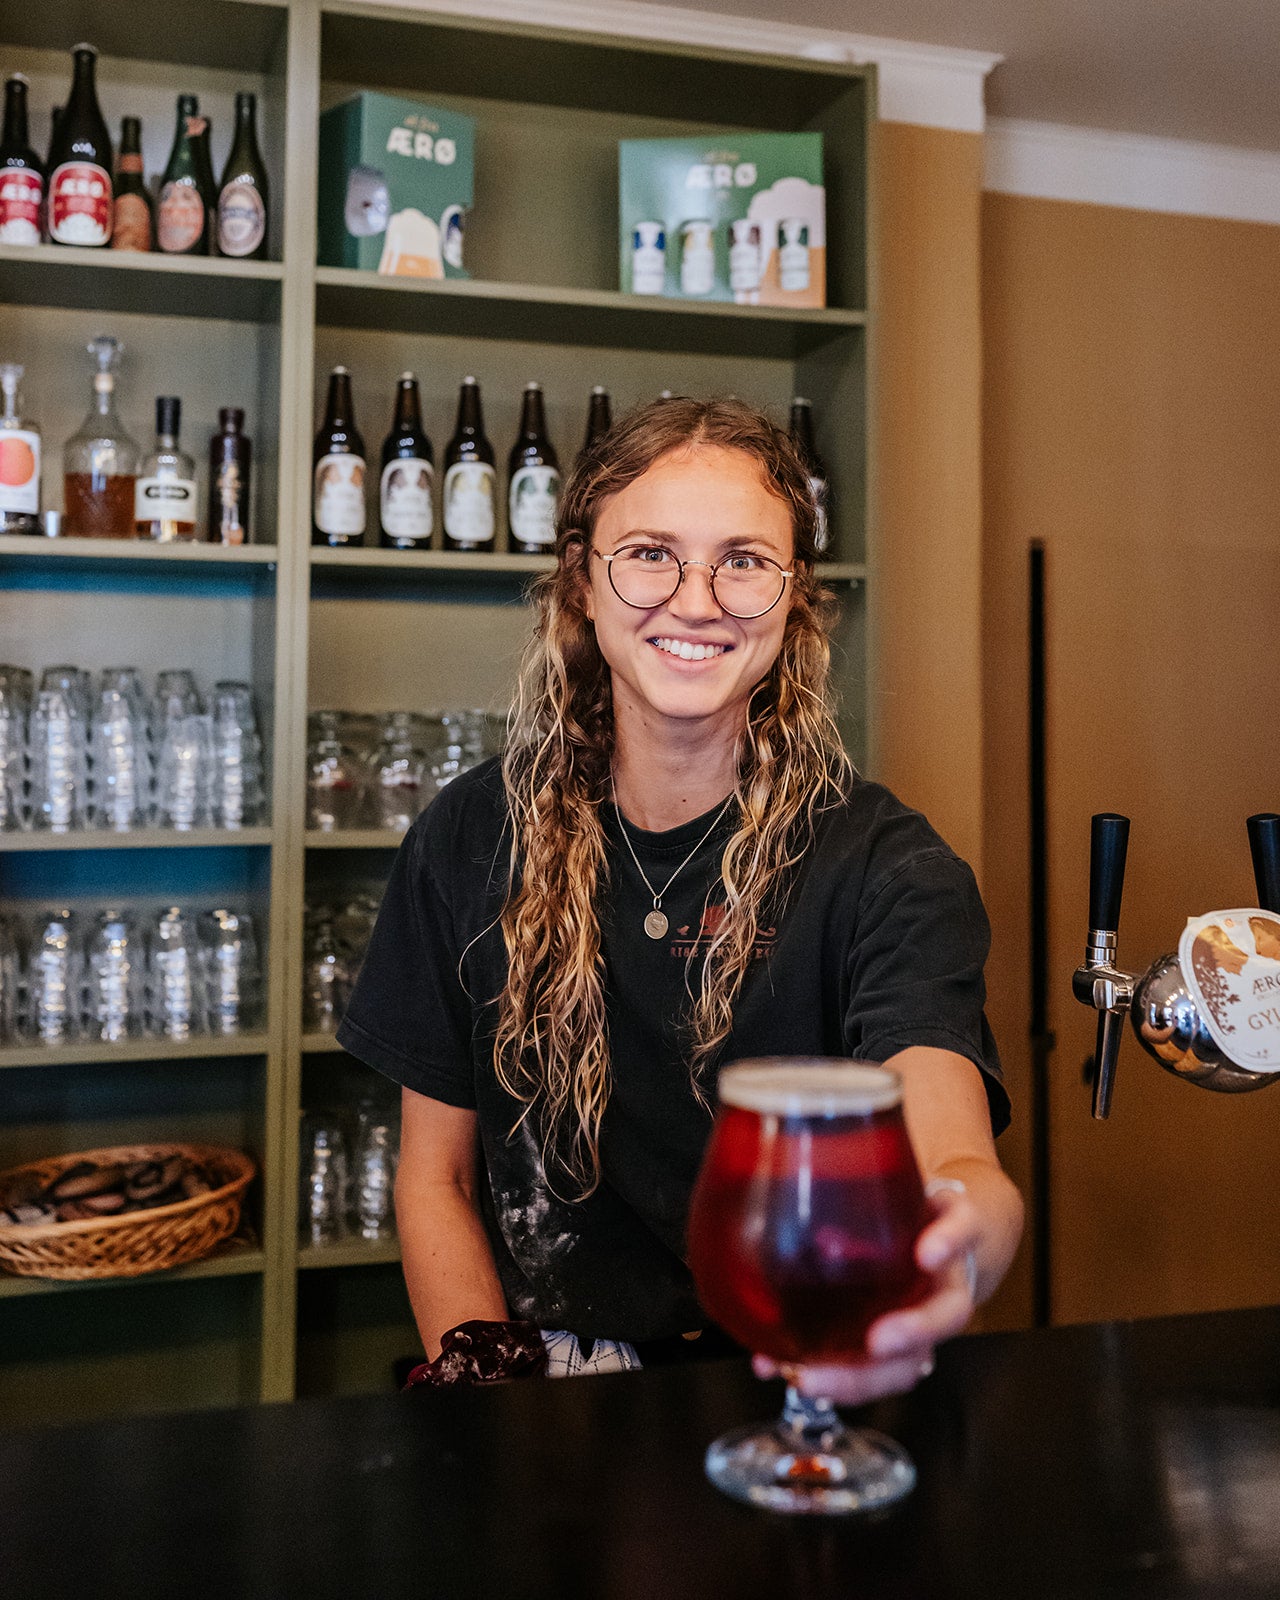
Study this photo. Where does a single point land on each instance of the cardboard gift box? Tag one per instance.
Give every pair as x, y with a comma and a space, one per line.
396, 182
739, 217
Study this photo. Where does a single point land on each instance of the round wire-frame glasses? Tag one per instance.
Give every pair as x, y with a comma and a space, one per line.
768, 567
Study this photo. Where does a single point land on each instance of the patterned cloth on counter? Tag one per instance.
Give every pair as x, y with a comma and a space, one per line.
566, 1358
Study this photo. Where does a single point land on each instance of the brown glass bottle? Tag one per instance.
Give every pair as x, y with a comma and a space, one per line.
242, 194
599, 416
79, 165
186, 189
21, 173
802, 436
230, 469
533, 484
408, 475
133, 227
337, 499
469, 498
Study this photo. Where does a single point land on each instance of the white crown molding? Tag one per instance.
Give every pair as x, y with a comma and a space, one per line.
1046, 161
921, 83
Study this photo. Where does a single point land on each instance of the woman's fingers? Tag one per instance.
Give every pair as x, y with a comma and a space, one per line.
853, 1386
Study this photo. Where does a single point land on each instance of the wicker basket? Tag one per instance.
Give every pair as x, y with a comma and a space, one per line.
129, 1244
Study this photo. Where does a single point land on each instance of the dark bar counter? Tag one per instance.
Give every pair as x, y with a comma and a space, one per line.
1124, 1459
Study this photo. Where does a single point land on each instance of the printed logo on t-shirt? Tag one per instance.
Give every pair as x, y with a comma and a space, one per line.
687, 943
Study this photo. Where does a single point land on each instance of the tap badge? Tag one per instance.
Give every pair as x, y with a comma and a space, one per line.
1231, 961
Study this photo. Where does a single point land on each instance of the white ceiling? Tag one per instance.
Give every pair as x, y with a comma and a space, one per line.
1182, 69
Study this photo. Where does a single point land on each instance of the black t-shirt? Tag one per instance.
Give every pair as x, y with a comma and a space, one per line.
880, 945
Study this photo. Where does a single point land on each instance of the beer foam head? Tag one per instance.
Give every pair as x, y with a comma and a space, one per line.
800, 1086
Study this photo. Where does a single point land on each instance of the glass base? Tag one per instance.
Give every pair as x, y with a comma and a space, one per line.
810, 1464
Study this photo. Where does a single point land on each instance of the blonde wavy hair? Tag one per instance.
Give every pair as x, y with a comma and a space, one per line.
551, 1047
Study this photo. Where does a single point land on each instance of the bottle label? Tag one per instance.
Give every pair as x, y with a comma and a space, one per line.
164, 500
181, 216
406, 500
242, 219
80, 204
131, 229
1231, 961
19, 470
228, 487
471, 502
339, 496
21, 191
822, 534
533, 505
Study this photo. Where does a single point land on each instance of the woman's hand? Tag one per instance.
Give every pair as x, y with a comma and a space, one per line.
900, 1345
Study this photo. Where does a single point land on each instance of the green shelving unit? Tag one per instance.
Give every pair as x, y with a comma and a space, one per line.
366, 629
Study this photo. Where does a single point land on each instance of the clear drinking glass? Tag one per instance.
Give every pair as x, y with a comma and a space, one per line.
236, 796
323, 1169
397, 782
120, 754
15, 711
175, 696
231, 971
175, 1003
184, 767
326, 975
10, 984
59, 770
377, 1153
114, 978
334, 788
55, 977
802, 1232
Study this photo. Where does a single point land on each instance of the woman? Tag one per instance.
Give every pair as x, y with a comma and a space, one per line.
674, 866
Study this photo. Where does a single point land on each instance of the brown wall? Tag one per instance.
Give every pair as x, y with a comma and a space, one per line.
1132, 368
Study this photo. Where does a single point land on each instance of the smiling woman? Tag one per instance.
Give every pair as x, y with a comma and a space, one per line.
673, 866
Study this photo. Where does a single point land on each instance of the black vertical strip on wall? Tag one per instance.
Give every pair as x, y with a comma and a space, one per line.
1041, 1038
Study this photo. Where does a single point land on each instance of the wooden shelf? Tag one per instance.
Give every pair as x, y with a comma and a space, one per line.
317, 1044
239, 1258
94, 1053
475, 308
349, 1252
140, 839
152, 284
369, 558
354, 839
15, 548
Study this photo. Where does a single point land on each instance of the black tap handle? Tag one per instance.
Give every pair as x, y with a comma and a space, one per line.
1108, 844
1264, 846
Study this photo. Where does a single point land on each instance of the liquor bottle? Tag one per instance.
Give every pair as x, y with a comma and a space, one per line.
164, 507
19, 461
802, 435
242, 194
133, 227
534, 480
337, 514
79, 164
599, 417
469, 499
408, 474
100, 463
21, 174
182, 223
230, 461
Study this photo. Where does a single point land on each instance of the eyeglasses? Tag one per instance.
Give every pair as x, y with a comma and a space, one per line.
744, 585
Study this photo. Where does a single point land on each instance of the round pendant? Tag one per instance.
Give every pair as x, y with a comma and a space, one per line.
655, 924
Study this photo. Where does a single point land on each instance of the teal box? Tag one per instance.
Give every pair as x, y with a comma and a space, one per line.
396, 184
738, 217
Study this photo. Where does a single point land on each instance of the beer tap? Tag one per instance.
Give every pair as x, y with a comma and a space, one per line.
1188, 1031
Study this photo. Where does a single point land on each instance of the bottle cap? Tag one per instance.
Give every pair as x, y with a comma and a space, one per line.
468, 380
76, 49
168, 414
340, 372
800, 401
529, 388
231, 418
599, 389
407, 377
19, 77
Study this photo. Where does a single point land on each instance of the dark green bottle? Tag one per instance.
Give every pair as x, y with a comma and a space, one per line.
184, 214
242, 194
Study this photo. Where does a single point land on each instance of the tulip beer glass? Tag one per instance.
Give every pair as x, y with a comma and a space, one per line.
802, 1231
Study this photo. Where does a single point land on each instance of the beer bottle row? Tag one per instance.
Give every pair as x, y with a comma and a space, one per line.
469, 494
77, 198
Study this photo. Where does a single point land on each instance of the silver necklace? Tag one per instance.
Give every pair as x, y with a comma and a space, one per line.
655, 923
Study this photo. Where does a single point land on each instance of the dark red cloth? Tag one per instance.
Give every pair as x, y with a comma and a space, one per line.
483, 1352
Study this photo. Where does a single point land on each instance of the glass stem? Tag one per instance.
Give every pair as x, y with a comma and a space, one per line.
812, 1423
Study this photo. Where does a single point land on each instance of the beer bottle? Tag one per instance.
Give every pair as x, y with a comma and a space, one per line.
182, 223
470, 495
79, 163
132, 227
242, 194
534, 480
802, 436
21, 175
599, 417
165, 495
337, 502
230, 460
408, 474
